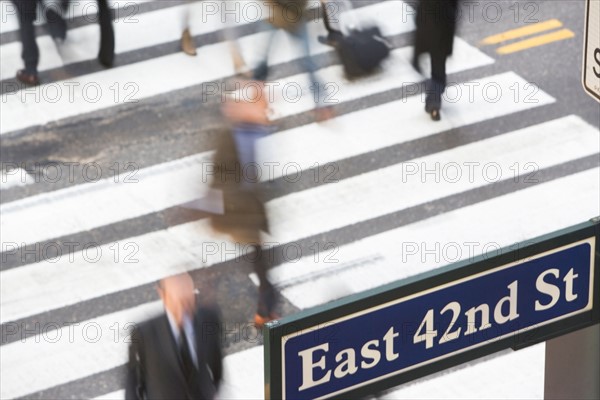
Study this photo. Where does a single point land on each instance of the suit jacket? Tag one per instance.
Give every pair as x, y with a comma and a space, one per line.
155, 369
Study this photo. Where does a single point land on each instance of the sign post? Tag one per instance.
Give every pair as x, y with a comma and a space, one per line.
384, 337
591, 49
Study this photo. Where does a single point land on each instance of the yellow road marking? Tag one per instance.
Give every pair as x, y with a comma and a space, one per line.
536, 41
520, 32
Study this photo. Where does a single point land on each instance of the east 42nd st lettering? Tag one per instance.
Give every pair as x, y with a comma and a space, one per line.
549, 284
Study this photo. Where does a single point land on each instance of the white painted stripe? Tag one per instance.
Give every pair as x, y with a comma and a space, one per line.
244, 375
15, 177
79, 8
54, 357
404, 185
64, 218
397, 72
392, 123
58, 356
97, 91
388, 15
116, 395
99, 270
88, 206
457, 235
11, 56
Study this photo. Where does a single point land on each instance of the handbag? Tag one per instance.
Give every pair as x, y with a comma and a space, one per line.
248, 104
362, 51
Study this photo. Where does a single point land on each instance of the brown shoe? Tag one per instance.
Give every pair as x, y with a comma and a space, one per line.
260, 321
28, 79
323, 114
187, 43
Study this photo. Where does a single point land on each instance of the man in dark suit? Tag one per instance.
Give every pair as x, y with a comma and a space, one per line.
436, 26
176, 355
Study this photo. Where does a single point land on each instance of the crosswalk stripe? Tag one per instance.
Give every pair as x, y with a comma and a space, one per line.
16, 177
98, 270
62, 212
55, 214
391, 123
404, 185
403, 252
80, 8
116, 395
56, 356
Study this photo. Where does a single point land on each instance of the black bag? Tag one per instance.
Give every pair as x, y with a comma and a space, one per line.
362, 51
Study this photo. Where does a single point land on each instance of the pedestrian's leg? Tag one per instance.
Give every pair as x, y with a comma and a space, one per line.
261, 72
436, 85
266, 292
30, 52
322, 111
57, 27
107, 35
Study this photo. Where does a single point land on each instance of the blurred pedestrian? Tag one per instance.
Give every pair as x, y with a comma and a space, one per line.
436, 27
176, 355
290, 16
30, 53
237, 176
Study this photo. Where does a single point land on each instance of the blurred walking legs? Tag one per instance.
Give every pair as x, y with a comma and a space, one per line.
436, 27
300, 34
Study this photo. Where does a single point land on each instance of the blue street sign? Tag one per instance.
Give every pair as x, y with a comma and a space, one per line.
384, 340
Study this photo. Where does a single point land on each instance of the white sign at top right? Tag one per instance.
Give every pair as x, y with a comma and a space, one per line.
591, 49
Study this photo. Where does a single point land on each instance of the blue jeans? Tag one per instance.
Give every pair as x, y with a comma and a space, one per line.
300, 34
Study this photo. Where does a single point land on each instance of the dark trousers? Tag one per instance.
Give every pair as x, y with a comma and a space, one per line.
437, 84
266, 292
30, 53
107, 34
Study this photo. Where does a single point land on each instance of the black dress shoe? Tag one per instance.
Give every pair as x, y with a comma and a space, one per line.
435, 114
